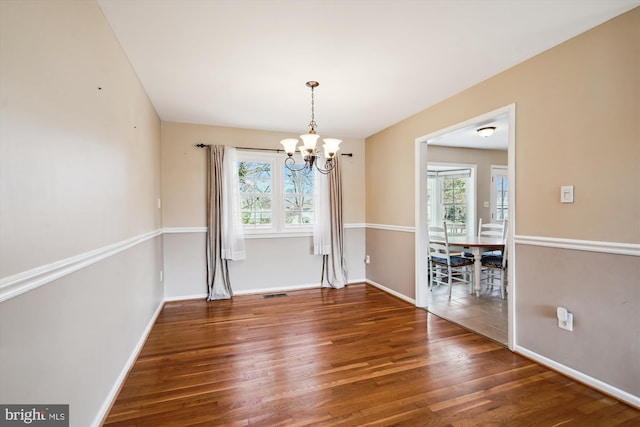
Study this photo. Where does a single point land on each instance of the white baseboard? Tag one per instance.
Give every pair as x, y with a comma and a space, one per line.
391, 291
109, 400
185, 297
256, 291
276, 289
581, 377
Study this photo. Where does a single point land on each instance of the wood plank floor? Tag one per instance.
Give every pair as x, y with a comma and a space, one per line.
351, 357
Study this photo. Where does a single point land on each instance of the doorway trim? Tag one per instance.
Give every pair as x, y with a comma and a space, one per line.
421, 236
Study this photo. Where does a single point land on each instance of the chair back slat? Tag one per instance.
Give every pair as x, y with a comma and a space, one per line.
492, 229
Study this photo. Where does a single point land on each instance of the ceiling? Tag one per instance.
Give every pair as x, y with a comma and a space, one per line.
244, 63
468, 137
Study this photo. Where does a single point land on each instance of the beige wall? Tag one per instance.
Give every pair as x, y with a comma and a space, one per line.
184, 169
79, 173
577, 123
577, 115
271, 263
72, 155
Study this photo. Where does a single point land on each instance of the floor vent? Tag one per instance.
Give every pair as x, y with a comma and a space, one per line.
275, 295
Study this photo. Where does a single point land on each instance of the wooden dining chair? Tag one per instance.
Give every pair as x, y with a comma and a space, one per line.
494, 269
444, 267
492, 229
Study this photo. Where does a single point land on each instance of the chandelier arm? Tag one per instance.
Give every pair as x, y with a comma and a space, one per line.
328, 167
290, 163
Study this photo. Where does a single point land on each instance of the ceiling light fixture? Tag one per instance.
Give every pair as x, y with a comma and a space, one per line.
486, 131
308, 147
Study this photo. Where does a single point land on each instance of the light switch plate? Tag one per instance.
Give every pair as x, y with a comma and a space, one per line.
566, 194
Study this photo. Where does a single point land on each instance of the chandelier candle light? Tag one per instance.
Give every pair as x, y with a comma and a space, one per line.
308, 147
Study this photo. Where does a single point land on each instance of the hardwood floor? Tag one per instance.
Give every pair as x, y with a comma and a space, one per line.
350, 357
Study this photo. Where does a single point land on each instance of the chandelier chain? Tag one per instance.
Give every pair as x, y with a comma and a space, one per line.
312, 123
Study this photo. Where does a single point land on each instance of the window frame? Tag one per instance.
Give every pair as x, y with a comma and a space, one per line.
435, 213
278, 227
502, 172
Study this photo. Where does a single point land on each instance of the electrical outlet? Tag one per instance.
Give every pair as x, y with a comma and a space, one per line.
367, 259
565, 319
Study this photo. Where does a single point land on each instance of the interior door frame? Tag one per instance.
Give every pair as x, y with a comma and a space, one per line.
421, 236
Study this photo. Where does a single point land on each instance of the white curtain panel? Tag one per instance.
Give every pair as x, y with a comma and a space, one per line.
232, 234
322, 227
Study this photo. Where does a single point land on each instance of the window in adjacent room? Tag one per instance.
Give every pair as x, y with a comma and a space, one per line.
499, 193
450, 198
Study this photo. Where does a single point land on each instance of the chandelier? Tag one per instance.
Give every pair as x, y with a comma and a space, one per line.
308, 147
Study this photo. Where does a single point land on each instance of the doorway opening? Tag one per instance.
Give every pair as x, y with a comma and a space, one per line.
499, 203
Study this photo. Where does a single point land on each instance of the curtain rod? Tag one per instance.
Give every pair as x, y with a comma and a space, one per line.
277, 150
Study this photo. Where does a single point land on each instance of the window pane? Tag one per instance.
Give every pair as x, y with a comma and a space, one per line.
502, 199
255, 210
298, 197
254, 177
299, 210
300, 182
454, 200
255, 193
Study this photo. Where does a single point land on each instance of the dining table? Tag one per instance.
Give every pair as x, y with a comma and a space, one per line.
476, 245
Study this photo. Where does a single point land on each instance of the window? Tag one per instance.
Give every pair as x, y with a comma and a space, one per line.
298, 197
499, 193
450, 197
274, 199
256, 197
454, 199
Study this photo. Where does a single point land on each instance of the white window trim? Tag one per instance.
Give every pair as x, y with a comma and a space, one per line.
277, 228
472, 208
496, 170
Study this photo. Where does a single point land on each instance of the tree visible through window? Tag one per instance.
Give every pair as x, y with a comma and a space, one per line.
273, 198
298, 196
256, 198
449, 198
454, 199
